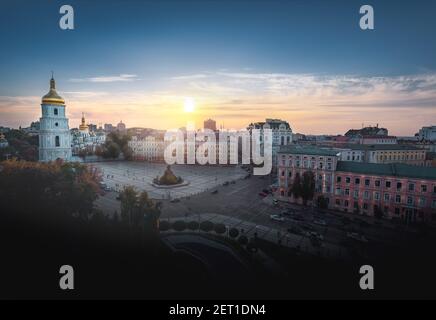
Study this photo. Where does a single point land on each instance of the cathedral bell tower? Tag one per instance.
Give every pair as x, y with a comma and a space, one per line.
54, 133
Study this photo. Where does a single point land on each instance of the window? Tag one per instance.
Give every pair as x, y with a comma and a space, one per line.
409, 201
433, 204
387, 197
347, 192
56, 124
290, 173
365, 206
338, 191
347, 180
366, 195
338, 179
357, 181
356, 194
367, 182
55, 111
411, 187
397, 198
346, 203
388, 184
434, 189
376, 196
338, 202
399, 186
397, 211
421, 202
377, 183
57, 141
423, 188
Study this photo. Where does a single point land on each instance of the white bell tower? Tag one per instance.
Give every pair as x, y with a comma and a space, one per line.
54, 133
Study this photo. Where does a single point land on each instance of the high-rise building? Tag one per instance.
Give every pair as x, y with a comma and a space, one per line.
54, 133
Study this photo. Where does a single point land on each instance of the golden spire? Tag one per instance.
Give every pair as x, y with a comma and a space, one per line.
83, 126
52, 96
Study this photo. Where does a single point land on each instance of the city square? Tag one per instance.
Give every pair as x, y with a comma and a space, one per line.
140, 175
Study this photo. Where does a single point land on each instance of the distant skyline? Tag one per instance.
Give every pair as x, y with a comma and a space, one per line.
306, 62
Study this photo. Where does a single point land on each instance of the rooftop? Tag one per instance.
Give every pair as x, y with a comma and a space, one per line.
309, 150
375, 147
392, 170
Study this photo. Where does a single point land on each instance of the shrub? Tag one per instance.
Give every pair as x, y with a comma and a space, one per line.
193, 225
233, 232
206, 226
179, 225
220, 228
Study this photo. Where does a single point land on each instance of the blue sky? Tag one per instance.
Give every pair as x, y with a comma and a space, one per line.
307, 61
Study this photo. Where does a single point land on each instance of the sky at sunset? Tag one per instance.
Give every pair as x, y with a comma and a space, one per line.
307, 62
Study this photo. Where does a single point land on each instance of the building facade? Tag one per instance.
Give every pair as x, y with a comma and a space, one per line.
390, 190
377, 139
54, 133
147, 149
427, 133
281, 134
384, 153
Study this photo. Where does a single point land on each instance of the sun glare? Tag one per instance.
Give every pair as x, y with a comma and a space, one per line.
189, 105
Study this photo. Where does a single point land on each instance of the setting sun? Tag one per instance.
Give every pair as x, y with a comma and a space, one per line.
189, 105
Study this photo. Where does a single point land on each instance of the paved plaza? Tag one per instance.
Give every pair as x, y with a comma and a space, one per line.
140, 175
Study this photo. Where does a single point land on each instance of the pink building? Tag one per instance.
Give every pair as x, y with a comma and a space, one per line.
390, 190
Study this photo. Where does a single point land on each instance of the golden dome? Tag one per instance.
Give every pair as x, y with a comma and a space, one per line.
52, 96
83, 125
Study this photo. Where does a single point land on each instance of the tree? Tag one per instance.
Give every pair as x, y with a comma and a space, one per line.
39, 189
128, 198
322, 202
304, 188
139, 209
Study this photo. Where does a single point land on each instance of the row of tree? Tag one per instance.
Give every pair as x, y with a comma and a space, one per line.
116, 144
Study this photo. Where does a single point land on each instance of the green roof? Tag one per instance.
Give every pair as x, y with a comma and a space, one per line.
393, 169
308, 150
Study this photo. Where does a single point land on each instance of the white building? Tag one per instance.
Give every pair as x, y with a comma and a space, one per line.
281, 134
427, 133
54, 133
148, 149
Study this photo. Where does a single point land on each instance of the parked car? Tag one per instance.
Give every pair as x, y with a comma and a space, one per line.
262, 194
265, 190
233, 182
277, 217
319, 222
175, 200
226, 183
214, 192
